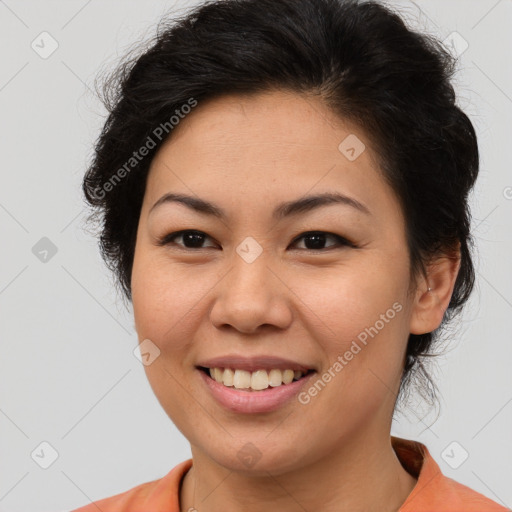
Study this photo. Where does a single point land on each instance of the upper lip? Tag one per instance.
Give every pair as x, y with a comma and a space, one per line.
251, 364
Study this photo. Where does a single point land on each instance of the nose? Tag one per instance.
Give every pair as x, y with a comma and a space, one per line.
250, 298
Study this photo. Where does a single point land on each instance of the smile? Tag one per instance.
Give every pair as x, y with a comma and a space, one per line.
254, 381
245, 399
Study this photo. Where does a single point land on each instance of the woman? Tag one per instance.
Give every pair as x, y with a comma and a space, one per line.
283, 192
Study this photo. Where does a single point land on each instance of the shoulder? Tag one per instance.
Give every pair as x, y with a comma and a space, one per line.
435, 492
160, 495
468, 499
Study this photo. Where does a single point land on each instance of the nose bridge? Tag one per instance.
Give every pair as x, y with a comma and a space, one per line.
250, 275
250, 295
250, 272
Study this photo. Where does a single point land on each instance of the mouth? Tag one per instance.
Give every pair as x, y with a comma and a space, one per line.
257, 392
256, 381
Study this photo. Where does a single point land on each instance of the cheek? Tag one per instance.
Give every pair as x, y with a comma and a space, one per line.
359, 320
165, 306
167, 299
343, 303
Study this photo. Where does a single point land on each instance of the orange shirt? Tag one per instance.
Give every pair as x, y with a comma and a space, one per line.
433, 491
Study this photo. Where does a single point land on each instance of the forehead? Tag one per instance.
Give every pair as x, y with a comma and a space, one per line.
267, 148
274, 118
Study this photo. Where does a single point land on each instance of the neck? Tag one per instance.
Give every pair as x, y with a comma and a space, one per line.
364, 476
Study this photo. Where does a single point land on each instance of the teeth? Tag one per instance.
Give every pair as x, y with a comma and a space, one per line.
227, 377
259, 380
288, 376
217, 374
256, 381
242, 379
275, 378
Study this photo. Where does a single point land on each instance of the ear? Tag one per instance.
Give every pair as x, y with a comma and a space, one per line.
429, 306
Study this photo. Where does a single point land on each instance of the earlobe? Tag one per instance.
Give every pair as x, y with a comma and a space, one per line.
434, 293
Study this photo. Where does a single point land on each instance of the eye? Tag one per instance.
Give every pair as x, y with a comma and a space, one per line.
193, 239
317, 240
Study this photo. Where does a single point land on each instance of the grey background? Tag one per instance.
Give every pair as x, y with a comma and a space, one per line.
68, 373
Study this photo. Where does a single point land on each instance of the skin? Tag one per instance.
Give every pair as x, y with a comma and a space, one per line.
247, 154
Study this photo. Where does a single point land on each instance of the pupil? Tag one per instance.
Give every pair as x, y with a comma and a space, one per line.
195, 238
317, 241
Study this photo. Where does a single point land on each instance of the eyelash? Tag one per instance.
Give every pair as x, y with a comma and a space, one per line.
167, 239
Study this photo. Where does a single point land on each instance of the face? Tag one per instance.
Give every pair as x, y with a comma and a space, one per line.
255, 281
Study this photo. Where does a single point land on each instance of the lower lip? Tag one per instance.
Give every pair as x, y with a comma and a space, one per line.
266, 400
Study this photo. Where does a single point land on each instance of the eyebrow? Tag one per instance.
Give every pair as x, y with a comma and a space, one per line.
286, 209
